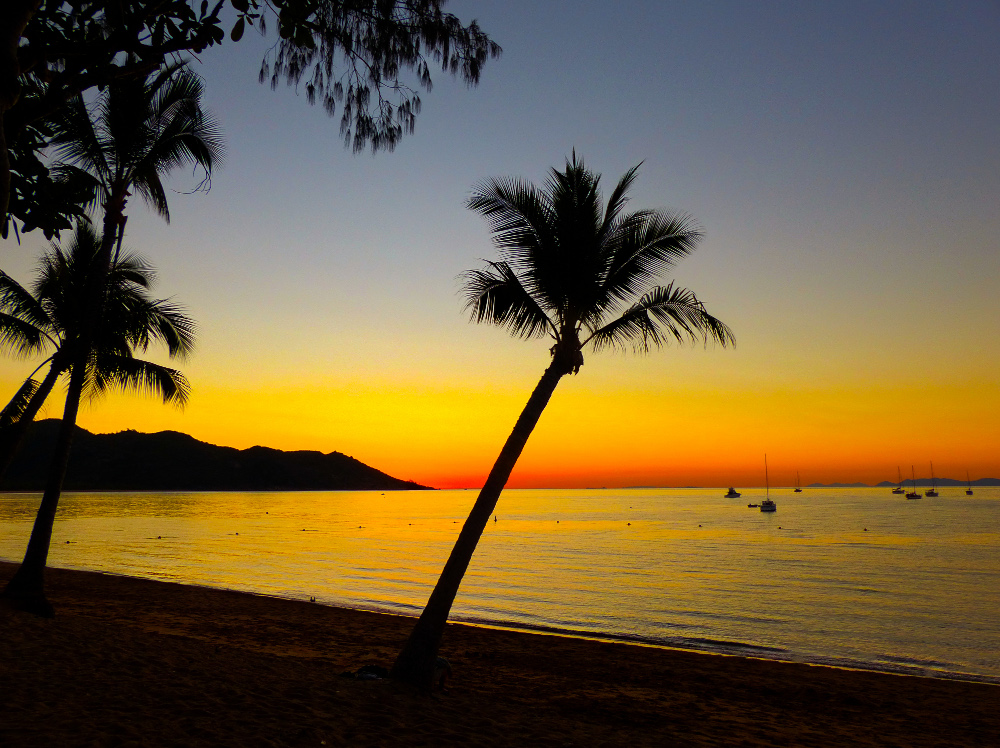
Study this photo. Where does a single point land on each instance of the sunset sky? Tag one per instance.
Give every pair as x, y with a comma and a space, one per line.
843, 159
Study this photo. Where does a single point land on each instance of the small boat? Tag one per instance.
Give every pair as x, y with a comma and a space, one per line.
767, 505
914, 494
968, 491
899, 488
733, 493
933, 489
752, 506
798, 483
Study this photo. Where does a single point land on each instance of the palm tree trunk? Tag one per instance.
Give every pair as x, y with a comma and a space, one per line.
415, 664
26, 589
12, 436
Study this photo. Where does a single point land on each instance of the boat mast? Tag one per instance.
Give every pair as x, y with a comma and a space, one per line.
767, 483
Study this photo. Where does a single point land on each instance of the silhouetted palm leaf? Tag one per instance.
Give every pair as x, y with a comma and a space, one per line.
141, 377
499, 298
663, 314
18, 404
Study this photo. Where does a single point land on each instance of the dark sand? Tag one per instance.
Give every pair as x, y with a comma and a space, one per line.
128, 662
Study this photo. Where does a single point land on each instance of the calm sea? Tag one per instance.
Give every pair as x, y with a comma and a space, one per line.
854, 577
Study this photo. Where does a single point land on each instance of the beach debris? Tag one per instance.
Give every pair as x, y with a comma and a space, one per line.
367, 672
442, 671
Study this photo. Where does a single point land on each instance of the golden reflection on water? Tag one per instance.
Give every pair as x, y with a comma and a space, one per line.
844, 573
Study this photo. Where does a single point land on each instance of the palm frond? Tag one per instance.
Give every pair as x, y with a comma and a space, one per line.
79, 143
618, 200
146, 182
132, 269
17, 301
18, 404
643, 247
21, 338
83, 179
109, 371
522, 222
663, 314
496, 296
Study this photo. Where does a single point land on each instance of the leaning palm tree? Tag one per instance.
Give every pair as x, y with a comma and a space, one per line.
71, 310
580, 274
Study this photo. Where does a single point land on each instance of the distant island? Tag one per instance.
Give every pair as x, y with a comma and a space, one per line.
171, 461
923, 482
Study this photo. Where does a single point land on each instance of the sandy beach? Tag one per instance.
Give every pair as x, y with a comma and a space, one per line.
131, 662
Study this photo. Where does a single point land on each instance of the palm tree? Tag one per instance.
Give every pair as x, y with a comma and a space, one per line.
580, 274
66, 310
141, 130
35, 321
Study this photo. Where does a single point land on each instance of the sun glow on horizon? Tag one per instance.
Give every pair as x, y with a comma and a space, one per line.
449, 437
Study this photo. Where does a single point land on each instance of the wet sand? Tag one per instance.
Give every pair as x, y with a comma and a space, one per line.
130, 662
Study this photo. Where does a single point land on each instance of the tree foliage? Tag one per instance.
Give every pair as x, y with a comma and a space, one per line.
367, 57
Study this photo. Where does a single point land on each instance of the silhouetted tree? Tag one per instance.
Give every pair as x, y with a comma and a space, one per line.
352, 53
47, 318
142, 129
581, 274
96, 321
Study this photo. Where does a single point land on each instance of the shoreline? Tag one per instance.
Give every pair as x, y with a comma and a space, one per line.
722, 648
139, 662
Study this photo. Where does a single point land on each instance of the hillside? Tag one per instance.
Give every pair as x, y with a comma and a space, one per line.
171, 461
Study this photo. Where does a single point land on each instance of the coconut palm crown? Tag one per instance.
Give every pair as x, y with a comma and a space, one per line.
582, 273
137, 131
52, 315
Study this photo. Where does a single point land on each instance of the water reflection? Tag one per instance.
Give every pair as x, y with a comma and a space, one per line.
921, 584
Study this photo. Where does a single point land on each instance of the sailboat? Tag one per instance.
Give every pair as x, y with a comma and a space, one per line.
933, 490
798, 486
914, 494
899, 488
767, 505
968, 491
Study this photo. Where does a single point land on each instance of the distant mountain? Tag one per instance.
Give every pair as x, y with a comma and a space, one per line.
923, 482
171, 461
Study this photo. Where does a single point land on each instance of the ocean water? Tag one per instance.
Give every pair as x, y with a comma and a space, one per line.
853, 577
